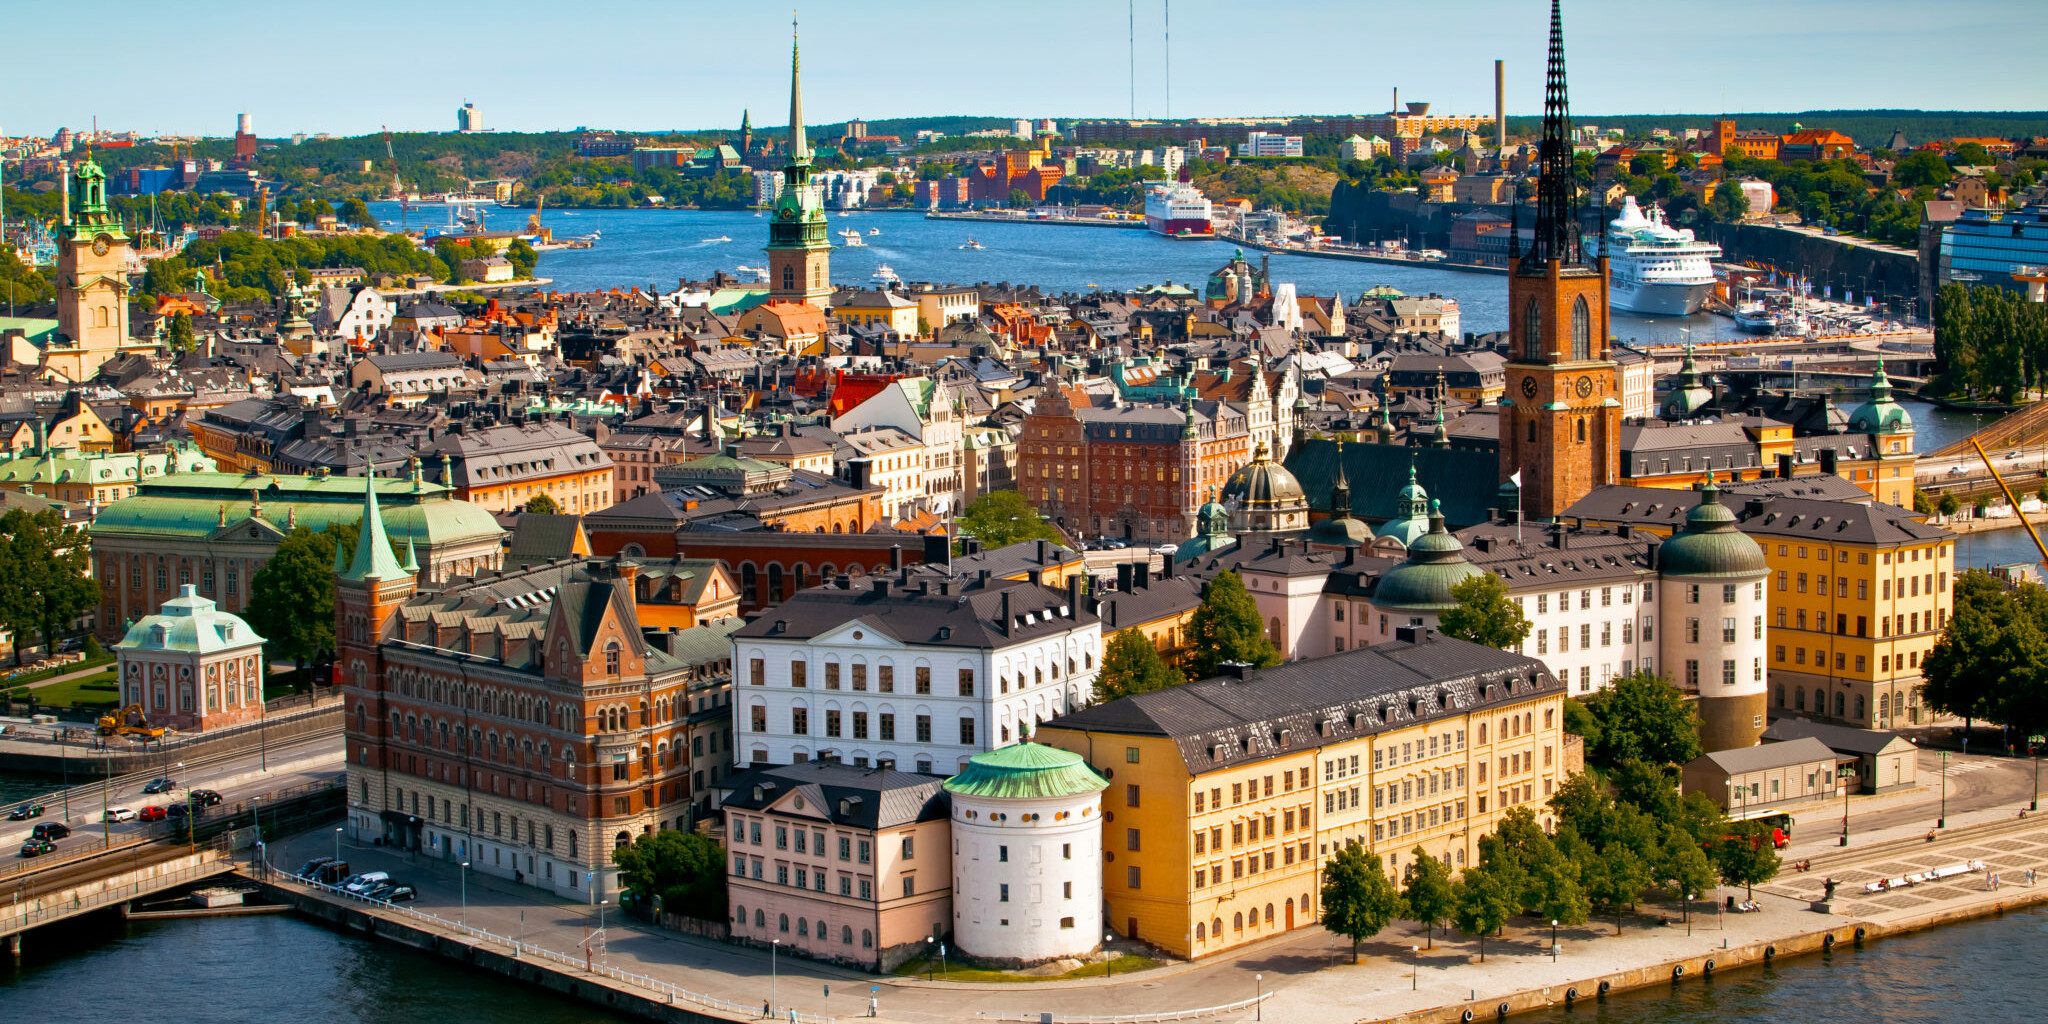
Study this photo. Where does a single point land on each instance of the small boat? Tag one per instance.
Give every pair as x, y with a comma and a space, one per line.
972, 244
851, 238
884, 277
846, 213
874, 231
721, 238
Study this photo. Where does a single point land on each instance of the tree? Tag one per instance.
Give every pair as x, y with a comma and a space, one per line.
1482, 906
1686, 868
1747, 856
523, 257
357, 212
291, 599
1949, 505
44, 575
1358, 897
1580, 722
1993, 658
1921, 168
542, 505
1617, 878
1971, 154
1430, 896
1556, 892
1130, 664
1001, 518
1226, 628
1019, 198
179, 337
684, 869
1643, 717
1485, 614
1730, 203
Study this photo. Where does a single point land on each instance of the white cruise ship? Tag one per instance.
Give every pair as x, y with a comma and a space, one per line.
1655, 268
1178, 210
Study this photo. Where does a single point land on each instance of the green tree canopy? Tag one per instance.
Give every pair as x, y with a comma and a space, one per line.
1429, 894
1002, 518
684, 869
1485, 614
1991, 664
1747, 856
1921, 167
1483, 905
1685, 871
1642, 717
291, 599
1358, 898
1131, 664
1226, 628
542, 505
44, 575
180, 338
523, 257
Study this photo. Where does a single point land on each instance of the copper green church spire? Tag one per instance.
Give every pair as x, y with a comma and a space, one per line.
374, 559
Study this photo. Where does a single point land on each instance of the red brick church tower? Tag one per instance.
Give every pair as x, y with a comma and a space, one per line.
1560, 423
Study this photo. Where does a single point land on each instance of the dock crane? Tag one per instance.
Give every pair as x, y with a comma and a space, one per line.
2000, 481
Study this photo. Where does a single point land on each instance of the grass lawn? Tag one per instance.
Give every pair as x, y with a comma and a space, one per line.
955, 972
41, 674
97, 690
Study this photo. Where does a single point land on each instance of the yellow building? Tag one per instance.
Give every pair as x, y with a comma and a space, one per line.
1859, 592
1228, 795
885, 309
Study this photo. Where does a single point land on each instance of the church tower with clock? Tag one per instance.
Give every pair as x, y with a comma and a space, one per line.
1560, 423
799, 253
92, 279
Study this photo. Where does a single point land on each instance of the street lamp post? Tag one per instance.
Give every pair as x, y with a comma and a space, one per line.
465, 896
1689, 897
774, 947
1258, 997
931, 963
1942, 822
2034, 751
337, 842
1109, 965
1553, 940
1842, 776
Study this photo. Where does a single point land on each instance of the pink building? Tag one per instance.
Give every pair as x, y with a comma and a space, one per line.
192, 666
839, 863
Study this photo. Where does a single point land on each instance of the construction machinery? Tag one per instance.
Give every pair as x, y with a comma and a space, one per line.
129, 721
2000, 481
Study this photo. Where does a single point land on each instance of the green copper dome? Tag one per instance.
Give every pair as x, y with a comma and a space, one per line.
1710, 544
1881, 415
1689, 395
1212, 532
1436, 563
1026, 771
1413, 505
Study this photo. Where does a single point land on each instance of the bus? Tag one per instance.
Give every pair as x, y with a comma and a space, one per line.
1778, 822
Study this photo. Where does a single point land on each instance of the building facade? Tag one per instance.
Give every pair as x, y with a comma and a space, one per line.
192, 666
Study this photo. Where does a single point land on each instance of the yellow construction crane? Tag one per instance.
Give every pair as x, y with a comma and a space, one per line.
2000, 481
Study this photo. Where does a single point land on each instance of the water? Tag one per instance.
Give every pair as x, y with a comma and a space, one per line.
1977, 971
659, 247
258, 970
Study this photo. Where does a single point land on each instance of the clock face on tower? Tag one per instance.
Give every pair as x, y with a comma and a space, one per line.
1585, 386
1528, 387
101, 243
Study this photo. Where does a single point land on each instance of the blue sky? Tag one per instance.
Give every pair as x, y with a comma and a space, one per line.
649, 65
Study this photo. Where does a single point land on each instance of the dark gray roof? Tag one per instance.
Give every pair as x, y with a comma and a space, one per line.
1841, 739
1808, 519
1466, 482
1155, 600
862, 798
1741, 760
927, 612
542, 538
1299, 705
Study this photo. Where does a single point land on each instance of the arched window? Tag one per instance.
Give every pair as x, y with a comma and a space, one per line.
803, 928
1582, 330
1840, 703
1582, 430
760, 918
867, 939
1269, 913
1532, 330
784, 923
611, 658
846, 934
748, 579
1237, 921
775, 581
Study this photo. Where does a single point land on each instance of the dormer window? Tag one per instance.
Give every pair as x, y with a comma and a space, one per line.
611, 658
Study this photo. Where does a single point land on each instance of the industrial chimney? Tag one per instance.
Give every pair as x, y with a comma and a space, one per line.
1500, 104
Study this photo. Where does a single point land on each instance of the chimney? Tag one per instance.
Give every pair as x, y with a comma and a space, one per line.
1827, 461
843, 582
1073, 594
1500, 103
1785, 466
938, 551
882, 588
1237, 670
896, 557
1041, 551
1409, 634
1123, 577
1005, 624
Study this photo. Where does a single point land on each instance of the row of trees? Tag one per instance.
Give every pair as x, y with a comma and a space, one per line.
246, 267
1988, 342
44, 576
1991, 664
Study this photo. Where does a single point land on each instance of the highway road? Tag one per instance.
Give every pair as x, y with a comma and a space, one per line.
238, 778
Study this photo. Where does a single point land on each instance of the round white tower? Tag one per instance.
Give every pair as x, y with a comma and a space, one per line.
1711, 583
1027, 855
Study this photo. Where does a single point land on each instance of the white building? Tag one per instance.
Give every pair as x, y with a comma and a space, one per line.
353, 313
922, 408
1269, 144
924, 670
1027, 854
1713, 588
893, 460
767, 187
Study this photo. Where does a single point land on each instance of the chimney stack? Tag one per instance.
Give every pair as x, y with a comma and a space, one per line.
1500, 103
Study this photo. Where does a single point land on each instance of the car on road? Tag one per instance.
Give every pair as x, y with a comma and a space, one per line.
177, 810
37, 847
51, 830
119, 814
160, 785
26, 811
366, 881
150, 814
400, 894
202, 797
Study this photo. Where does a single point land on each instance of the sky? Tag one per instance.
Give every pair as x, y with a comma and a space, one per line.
649, 65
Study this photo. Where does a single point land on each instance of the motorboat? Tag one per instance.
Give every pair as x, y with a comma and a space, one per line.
972, 244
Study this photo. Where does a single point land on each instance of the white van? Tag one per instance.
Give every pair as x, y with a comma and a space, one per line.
367, 881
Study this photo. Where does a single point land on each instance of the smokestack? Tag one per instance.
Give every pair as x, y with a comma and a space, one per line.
1500, 103
1396, 108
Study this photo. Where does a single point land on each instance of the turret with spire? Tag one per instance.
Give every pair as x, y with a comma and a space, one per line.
798, 250
374, 559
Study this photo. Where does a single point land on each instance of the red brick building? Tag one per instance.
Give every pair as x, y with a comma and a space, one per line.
1133, 471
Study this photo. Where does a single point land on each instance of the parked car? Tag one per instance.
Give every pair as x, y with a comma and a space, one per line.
400, 894
331, 873
311, 867
51, 830
150, 814
160, 786
26, 811
366, 881
119, 814
203, 797
37, 847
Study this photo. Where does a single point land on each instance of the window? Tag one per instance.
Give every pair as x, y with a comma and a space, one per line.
757, 671
966, 732
887, 722
1728, 631
885, 680
1132, 877
1131, 757
1582, 331
966, 682
909, 884
796, 674
1131, 795
1532, 330
909, 848
924, 679
1131, 839
924, 728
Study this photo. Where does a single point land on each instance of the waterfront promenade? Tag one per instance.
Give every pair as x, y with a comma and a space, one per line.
1309, 974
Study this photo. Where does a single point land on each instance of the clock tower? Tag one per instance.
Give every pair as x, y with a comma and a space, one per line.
799, 255
92, 278
1560, 422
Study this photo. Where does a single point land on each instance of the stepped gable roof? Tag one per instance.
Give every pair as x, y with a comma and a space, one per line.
867, 799
964, 613
1280, 711
1026, 771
